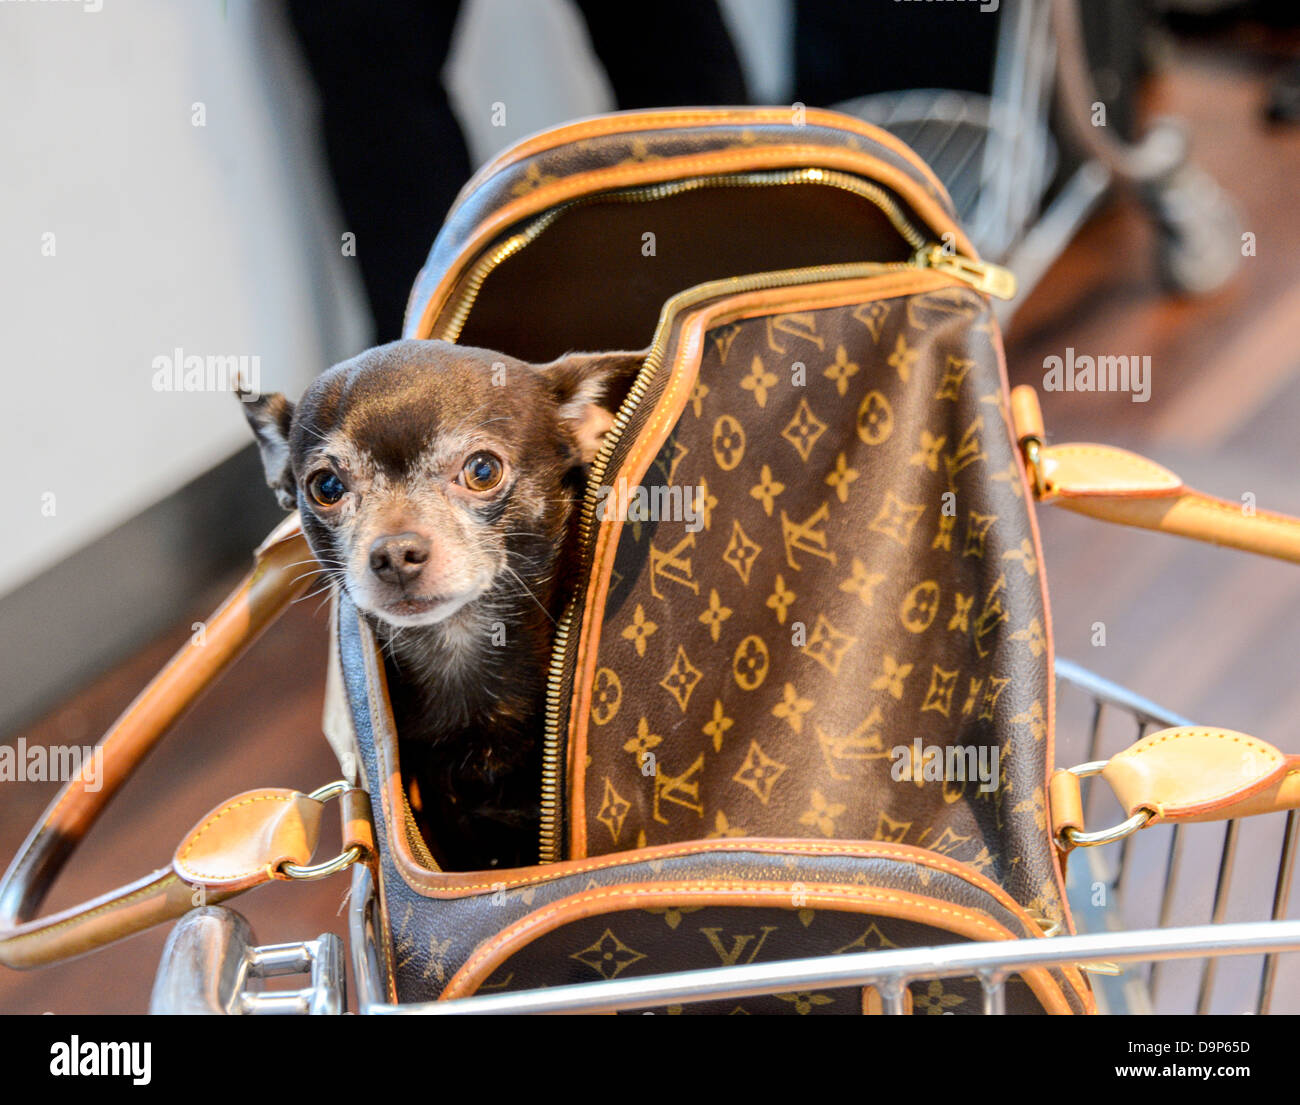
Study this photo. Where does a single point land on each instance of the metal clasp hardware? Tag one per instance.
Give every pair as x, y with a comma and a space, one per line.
1075, 839
983, 276
1033, 451
340, 862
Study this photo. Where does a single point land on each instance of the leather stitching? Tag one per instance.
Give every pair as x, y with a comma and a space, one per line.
1239, 738
1146, 466
870, 849
605, 126
1196, 500
194, 838
780, 890
116, 903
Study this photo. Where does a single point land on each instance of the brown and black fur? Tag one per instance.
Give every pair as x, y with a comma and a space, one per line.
467, 690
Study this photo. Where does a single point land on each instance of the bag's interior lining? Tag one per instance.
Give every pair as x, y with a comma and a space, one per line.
598, 277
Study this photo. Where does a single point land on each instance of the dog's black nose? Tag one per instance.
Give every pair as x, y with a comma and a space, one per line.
400, 558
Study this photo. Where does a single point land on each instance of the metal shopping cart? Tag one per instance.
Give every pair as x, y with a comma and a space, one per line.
778, 821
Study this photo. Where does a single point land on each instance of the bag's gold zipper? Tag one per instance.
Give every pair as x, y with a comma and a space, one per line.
991, 279
483, 268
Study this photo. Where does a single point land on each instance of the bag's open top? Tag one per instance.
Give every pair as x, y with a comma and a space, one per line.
548, 243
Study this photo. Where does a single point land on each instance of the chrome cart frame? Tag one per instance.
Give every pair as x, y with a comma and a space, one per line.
211, 964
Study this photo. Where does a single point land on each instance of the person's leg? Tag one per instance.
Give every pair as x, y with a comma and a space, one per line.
394, 147
673, 53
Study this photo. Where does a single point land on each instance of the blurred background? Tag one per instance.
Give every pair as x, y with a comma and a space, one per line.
260, 181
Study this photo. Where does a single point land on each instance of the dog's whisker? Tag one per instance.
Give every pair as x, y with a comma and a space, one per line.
530, 594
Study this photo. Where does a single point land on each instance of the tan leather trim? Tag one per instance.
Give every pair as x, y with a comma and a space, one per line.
873, 1006
1026, 414
1014, 432
358, 826
1065, 803
1071, 471
1203, 517
970, 923
1196, 773
283, 569
632, 122
240, 843
655, 172
1280, 795
650, 439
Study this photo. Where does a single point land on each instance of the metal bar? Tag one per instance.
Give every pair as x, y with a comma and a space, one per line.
328, 995
879, 969
995, 993
1167, 897
287, 1003
1121, 871
369, 967
1042, 244
1281, 897
1224, 881
279, 959
1094, 743
893, 994
1114, 694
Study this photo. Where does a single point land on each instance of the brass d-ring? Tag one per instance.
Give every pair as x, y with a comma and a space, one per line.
1033, 450
329, 867
1074, 838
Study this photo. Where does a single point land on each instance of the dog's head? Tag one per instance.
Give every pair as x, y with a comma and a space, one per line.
430, 474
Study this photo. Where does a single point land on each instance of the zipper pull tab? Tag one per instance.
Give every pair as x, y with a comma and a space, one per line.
983, 276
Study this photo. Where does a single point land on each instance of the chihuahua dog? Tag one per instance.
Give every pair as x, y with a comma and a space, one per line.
437, 486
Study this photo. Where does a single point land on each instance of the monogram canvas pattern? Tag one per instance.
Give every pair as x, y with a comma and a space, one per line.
863, 575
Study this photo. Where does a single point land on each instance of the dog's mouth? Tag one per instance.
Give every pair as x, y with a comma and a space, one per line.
406, 610
413, 606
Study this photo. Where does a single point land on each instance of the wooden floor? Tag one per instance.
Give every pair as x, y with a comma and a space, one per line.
1212, 634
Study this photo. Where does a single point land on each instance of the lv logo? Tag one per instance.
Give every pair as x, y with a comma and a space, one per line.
673, 566
806, 536
679, 789
740, 944
802, 324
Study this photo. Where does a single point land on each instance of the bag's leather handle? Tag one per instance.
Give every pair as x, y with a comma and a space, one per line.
1190, 773
282, 569
1118, 486
240, 844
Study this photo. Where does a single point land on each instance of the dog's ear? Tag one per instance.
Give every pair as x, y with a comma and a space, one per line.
270, 416
589, 388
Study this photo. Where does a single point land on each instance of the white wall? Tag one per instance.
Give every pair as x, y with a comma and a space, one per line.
166, 235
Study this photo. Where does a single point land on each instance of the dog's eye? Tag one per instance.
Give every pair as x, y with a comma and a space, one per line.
482, 472
326, 488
